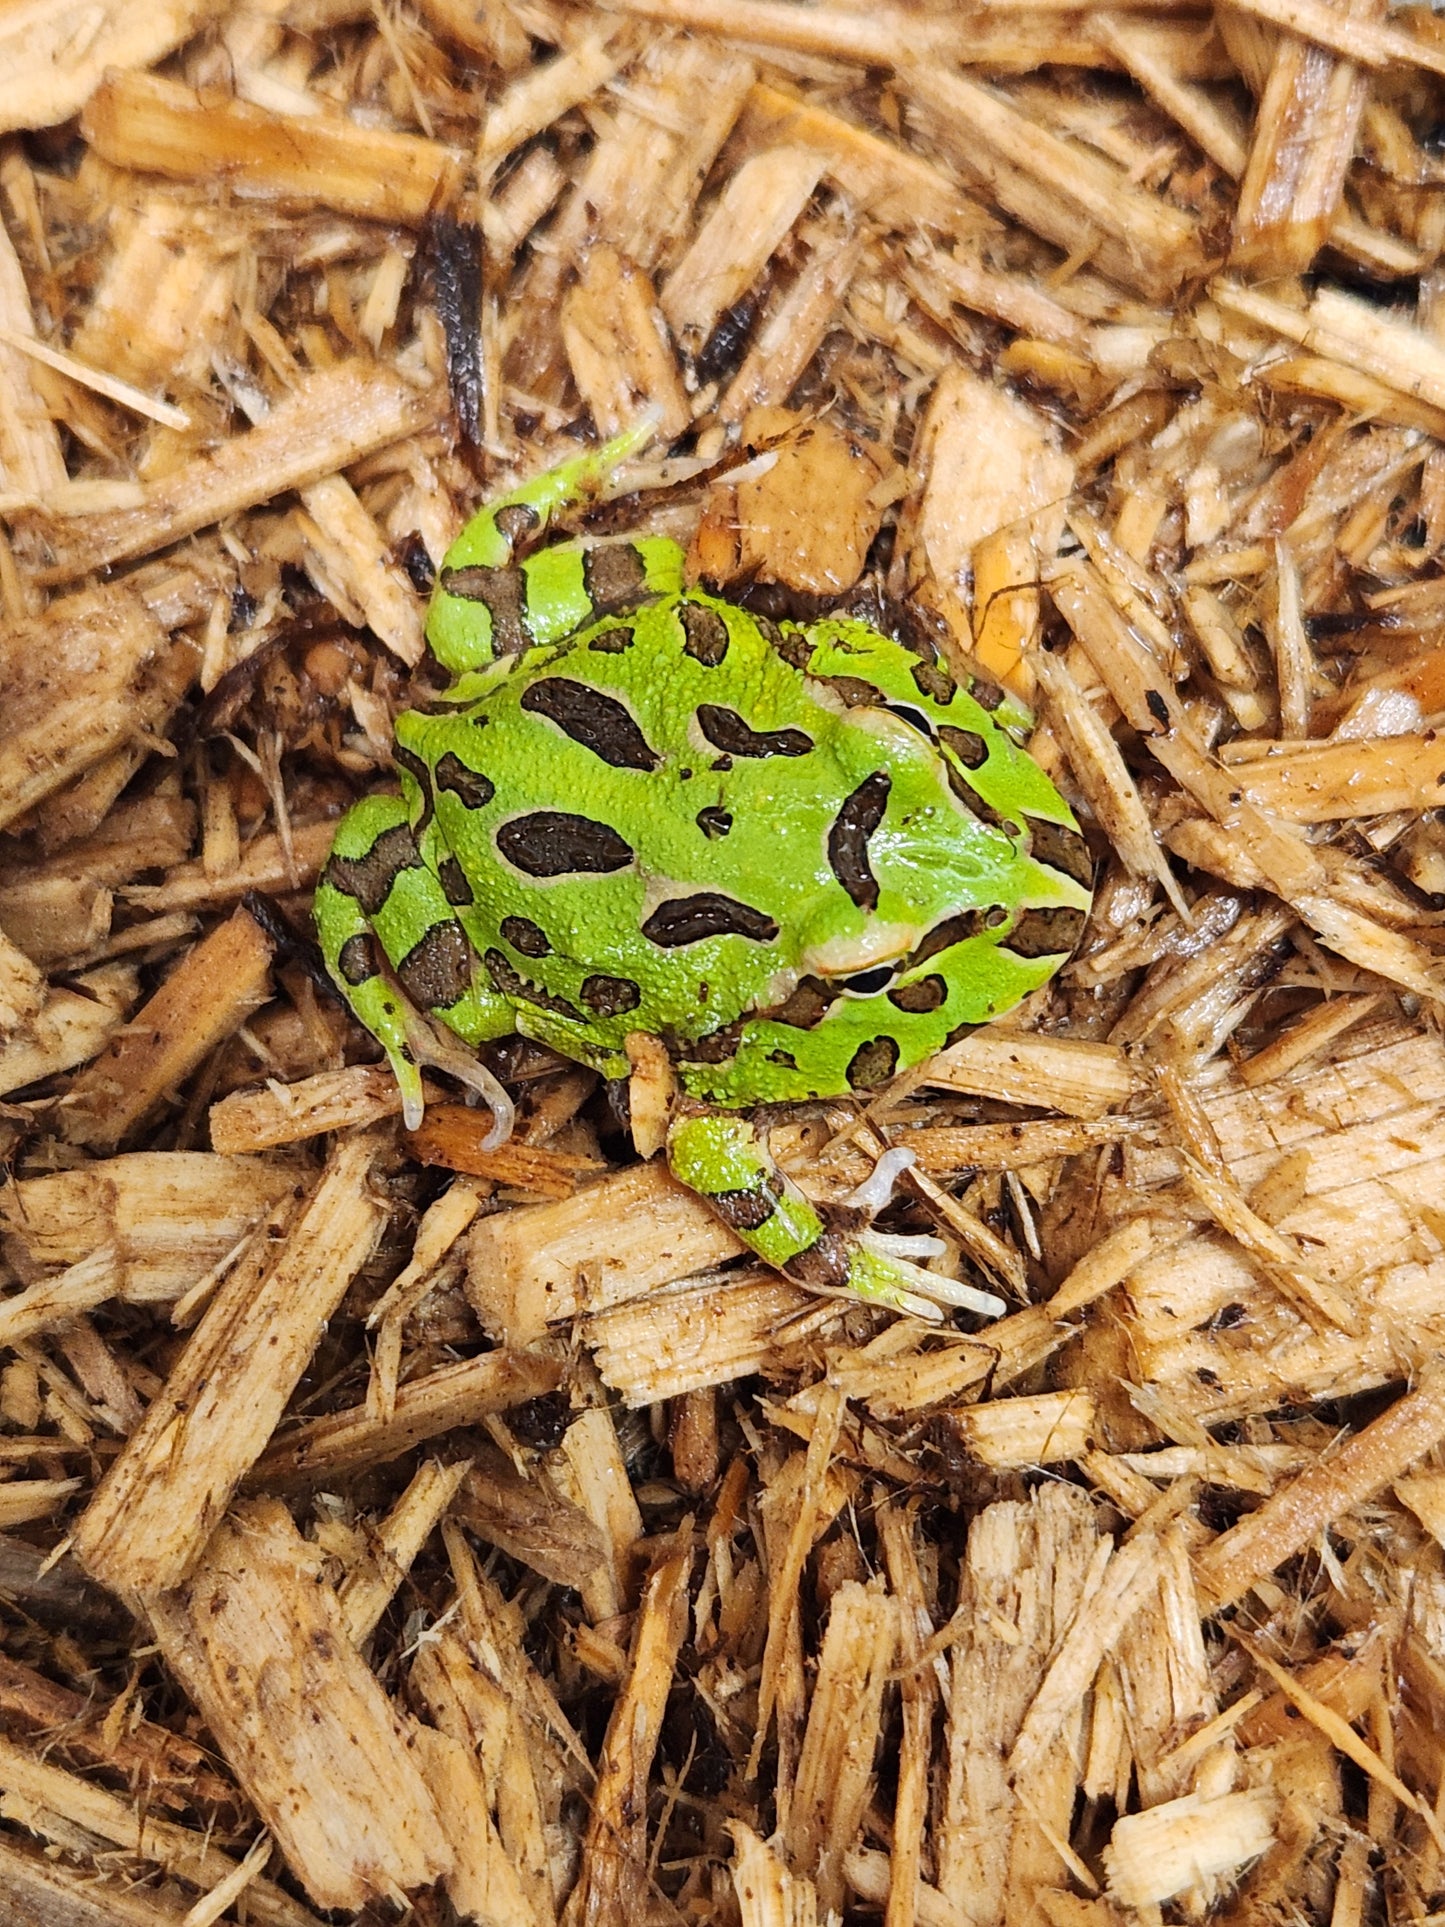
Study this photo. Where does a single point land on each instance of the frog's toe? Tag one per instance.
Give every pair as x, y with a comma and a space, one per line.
876, 1191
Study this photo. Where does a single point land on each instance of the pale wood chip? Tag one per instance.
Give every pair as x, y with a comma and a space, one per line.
1304, 140
1104, 777
612, 1880
997, 521
331, 418
267, 863
355, 553
482, 1882
157, 126
546, 92
667, 1343
1057, 187
1058, 1074
1045, 1429
259, 1643
768, 1895
510, 1783
1023, 1576
1156, 1854
425, 1408
896, 186
289, 1113
844, 1719
394, 1543
70, 684
36, 1790
70, 1027
614, 1240
156, 1506
793, 327
30, 454
212, 991
617, 347
1287, 1522
754, 214
589, 1467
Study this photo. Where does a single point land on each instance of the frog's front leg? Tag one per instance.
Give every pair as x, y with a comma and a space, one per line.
489, 604
377, 897
725, 1160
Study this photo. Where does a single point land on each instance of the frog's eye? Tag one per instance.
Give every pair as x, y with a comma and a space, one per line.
867, 983
915, 718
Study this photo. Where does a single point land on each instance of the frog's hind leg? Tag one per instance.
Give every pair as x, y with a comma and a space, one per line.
489, 603
376, 898
725, 1160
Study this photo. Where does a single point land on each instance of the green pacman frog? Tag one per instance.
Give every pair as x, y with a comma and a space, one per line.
802, 855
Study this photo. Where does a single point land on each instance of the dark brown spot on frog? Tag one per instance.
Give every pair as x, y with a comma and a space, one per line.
943, 936
614, 576
417, 770
929, 993
511, 983
852, 691
747, 1210
975, 804
1062, 849
369, 878
684, 920
437, 970
1046, 933
357, 960
873, 1063
555, 843
527, 937
597, 722
453, 878
516, 520
714, 822
726, 730
855, 822
503, 593
822, 1265
988, 695
808, 1005
793, 645
933, 680
966, 744
614, 641
705, 634
717, 1047
474, 789
610, 996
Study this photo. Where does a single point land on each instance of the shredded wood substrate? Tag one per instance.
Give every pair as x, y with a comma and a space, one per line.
391, 1524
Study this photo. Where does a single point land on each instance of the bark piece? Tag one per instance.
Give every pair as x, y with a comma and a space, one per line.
259, 1643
